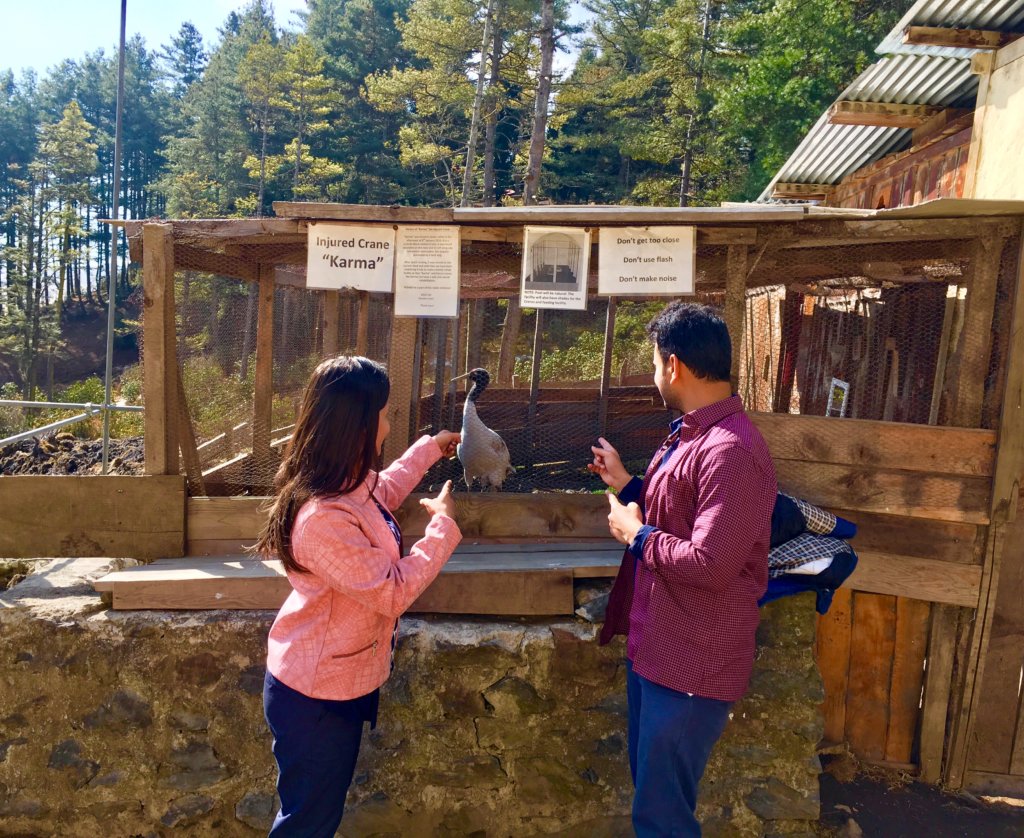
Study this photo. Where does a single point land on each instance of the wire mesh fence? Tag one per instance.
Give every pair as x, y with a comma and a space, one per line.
873, 331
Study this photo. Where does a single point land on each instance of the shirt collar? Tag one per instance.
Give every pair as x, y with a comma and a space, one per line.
707, 417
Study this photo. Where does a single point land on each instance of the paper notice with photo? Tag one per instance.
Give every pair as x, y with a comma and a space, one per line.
350, 256
427, 271
556, 264
642, 261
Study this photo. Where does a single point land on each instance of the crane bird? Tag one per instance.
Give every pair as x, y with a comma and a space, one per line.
483, 454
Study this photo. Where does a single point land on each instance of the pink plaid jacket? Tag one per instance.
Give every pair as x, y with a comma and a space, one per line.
332, 637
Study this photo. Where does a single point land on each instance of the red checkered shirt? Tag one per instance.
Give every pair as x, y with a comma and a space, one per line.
689, 604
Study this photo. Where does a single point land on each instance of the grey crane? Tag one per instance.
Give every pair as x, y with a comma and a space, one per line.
483, 454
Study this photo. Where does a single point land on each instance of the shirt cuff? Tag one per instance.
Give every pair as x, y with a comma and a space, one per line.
631, 491
636, 546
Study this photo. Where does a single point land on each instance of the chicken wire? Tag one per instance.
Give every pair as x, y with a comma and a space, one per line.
883, 320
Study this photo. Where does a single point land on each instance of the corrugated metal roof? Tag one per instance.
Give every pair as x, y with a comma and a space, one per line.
915, 75
830, 152
1000, 15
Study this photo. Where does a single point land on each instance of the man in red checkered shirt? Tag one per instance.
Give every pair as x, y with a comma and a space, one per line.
696, 531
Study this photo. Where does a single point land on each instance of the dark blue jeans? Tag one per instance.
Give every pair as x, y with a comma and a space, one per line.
671, 735
316, 743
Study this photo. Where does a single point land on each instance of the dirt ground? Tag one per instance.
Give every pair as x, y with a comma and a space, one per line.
863, 801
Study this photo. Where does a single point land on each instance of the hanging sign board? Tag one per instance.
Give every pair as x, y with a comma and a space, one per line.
350, 256
646, 260
556, 262
427, 271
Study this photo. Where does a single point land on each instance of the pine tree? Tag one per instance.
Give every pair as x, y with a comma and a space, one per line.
184, 59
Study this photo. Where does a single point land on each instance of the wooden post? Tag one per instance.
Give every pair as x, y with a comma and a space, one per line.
943, 356
938, 681
975, 345
475, 333
440, 365
363, 329
400, 371
531, 413
735, 303
263, 396
332, 308
159, 360
1009, 466
509, 338
606, 368
187, 438
417, 381
455, 361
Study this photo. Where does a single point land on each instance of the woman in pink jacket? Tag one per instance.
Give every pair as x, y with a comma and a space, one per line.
331, 646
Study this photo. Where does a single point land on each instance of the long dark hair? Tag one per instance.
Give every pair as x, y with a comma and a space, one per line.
332, 449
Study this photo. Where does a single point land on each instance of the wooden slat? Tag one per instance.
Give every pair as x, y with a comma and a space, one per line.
912, 619
361, 212
331, 336
890, 492
833, 657
802, 190
873, 639
363, 324
187, 437
70, 516
513, 592
159, 332
938, 680
875, 444
923, 579
941, 36
996, 785
606, 368
946, 541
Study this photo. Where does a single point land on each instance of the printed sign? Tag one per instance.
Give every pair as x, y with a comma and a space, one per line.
350, 256
556, 262
646, 260
427, 272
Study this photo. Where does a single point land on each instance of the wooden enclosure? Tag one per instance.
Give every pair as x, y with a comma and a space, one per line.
919, 310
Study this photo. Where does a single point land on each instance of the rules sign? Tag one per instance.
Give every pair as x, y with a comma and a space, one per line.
638, 261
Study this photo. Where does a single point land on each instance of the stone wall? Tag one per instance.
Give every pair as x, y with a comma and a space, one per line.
150, 724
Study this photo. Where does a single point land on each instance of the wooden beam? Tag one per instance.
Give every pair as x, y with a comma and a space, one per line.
400, 371
606, 367
923, 579
945, 123
361, 212
190, 258
941, 36
141, 517
509, 338
263, 397
159, 331
363, 324
187, 438
880, 114
735, 304
804, 191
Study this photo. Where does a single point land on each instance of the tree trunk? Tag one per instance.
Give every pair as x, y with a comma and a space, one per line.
540, 113
491, 127
698, 87
474, 125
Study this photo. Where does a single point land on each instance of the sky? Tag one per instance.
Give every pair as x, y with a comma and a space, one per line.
40, 34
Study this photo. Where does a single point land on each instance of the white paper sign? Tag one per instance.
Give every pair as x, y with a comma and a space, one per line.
556, 262
350, 256
646, 260
427, 272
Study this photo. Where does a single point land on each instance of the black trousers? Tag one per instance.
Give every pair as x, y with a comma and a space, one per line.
316, 743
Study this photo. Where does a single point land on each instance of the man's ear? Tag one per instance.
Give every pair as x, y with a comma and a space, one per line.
675, 369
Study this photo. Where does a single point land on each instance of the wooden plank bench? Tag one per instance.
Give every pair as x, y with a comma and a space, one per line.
481, 578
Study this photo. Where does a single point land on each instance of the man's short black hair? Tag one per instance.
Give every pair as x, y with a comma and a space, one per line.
697, 336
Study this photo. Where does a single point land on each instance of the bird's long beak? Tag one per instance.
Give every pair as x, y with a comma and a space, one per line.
459, 377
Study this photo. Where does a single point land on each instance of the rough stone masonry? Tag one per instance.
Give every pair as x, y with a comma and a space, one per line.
150, 724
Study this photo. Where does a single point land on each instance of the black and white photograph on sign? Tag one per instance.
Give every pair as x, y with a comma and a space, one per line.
556, 261
427, 271
646, 260
350, 256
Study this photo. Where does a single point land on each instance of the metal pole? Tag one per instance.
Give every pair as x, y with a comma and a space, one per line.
112, 264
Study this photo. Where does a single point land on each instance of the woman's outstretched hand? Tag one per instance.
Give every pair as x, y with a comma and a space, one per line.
446, 441
443, 504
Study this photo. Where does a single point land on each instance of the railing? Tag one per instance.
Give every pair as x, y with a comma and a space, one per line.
88, 408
